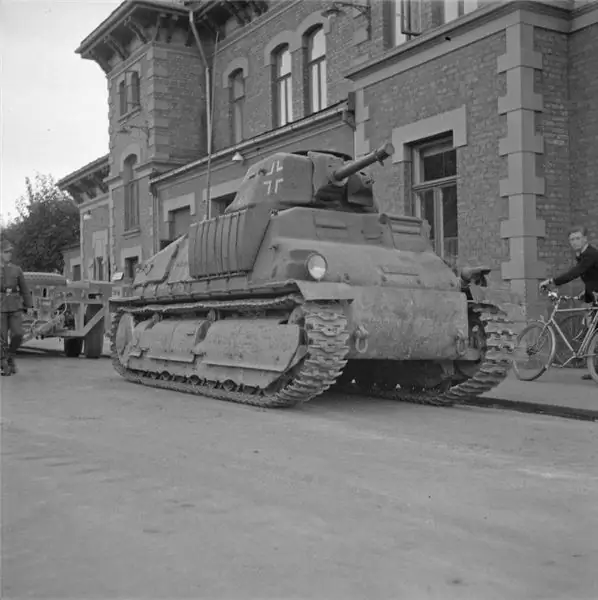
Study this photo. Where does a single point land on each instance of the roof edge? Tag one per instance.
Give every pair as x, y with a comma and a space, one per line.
85, 171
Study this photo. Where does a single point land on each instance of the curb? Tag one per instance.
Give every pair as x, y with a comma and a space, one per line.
553, 410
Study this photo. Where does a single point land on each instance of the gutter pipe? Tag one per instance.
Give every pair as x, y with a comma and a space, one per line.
209, 96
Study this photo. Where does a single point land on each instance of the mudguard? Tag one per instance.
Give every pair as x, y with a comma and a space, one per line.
325, 290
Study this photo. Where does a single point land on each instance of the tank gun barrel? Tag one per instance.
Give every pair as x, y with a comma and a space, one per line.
355, 166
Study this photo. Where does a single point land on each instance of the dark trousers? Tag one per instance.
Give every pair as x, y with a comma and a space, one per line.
12, 322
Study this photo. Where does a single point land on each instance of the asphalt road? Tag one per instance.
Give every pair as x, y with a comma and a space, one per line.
115, 490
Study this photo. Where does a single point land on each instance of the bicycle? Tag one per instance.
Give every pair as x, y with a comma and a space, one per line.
531, 340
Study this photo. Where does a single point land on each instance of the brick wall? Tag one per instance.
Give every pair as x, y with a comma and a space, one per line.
583, 86
283, 20
553, 123
337, 137
143, 236
466, 76
178, 114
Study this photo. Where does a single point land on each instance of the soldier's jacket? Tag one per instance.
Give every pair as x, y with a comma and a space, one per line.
14, 294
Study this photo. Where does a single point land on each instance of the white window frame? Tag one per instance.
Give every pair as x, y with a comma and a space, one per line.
453, 9
283, 88
316, 65
436, 185
408, 22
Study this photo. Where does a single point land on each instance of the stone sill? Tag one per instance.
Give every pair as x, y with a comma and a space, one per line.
132, 233
128, 115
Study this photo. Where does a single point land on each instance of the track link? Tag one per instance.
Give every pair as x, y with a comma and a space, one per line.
494, 368
327, 340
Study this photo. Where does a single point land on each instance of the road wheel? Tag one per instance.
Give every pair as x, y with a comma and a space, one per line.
592, 360
73, 347
94, 340
536, 346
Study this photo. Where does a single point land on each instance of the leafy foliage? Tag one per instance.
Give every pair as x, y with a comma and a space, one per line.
48, 221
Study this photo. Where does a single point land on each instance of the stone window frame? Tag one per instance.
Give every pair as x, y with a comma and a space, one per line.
236, 66
131, 200
317, 62
394, 35
129, 91
101, 238
305, 30
170, 205
452, 10
421, 186
279, 80
134, 252
407, 138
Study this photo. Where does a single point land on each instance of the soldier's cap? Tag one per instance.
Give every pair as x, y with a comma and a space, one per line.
6, 246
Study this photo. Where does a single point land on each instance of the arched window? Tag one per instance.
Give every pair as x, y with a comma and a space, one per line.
283, 87
131, 194
316, 71
237, 101
122, 97
135, 89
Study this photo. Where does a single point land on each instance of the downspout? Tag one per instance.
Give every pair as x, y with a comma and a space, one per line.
209, 94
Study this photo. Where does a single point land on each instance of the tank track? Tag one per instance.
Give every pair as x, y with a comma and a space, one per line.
328, 345
500, 344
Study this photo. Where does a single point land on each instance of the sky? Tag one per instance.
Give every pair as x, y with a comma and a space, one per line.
53, 104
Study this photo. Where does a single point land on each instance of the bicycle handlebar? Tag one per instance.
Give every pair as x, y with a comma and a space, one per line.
555, 296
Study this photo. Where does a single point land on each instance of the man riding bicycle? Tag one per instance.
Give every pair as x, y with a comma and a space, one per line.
586, 268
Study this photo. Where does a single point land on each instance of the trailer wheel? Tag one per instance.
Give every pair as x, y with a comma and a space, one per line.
94, 340
73, 347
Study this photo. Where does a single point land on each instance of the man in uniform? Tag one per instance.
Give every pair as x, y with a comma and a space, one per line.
14, 298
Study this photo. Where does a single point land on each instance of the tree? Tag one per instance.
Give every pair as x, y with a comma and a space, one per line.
47, 222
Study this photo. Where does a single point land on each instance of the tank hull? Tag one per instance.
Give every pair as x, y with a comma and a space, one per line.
231, 311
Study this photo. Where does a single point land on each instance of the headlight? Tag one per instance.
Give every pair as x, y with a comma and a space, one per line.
316, 266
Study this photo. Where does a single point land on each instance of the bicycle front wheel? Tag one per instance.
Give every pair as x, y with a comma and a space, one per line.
536, 347
593, 357
574, 328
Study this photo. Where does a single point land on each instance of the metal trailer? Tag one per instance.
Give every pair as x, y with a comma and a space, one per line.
76, 311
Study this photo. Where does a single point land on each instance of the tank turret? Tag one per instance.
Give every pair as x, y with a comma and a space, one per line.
354, 166
303, 284
311, 178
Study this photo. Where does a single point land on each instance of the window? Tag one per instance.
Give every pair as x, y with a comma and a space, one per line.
76, 272
122, 98
283, 87
435, 190
179, 222
135, 89
131, 266
220, 204
445, 11
316, 71
131, 195
237, 101
98, 268
406, 20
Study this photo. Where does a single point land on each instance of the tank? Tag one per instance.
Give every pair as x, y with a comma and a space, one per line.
304, 285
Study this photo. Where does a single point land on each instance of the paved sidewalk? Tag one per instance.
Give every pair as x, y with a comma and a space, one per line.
559, 392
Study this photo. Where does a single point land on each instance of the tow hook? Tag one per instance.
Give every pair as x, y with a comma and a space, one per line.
361, 339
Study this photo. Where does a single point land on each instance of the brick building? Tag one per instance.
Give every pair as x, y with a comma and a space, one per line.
491, 106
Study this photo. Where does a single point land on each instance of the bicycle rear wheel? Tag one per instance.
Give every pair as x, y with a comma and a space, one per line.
536, 347
592, 360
